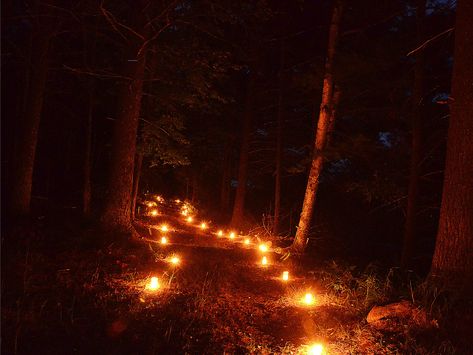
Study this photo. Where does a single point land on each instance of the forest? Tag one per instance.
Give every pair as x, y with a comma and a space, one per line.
237, 177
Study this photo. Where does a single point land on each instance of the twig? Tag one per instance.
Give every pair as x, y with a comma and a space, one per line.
423, 45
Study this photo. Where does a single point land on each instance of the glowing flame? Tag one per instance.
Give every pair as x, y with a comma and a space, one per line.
154, 213
153, 284
150, 204
189, 219
177, 201
220, 233
232, 235
247, 241
164, 228
264, 261
285, 275
175, 260
203, 225
263, 248
184, 212
164, 240
315, 349
308, 299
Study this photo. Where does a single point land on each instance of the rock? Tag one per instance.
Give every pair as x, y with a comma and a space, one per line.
394, 316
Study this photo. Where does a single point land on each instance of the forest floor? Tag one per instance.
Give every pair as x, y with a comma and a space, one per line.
62, 296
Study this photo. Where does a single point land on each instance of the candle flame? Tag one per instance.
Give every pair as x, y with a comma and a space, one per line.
316, 349
203, 225
177, 201
247, 241
308, 299
164, 228
263, 248
285, 275
264, 261
154, 213
164, 240
220, 233
190, 219
153, 284
232, 235
175, 260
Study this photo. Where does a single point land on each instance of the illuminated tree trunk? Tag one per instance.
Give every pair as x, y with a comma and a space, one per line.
117, 207
279, 148
20, 193
416, 151
136, 181
302, 234
239, 204
453, 256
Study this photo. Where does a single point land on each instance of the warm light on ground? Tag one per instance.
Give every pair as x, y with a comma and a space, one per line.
263, 248
315, 349
285, 275
164, 228
264, 261
164, 240
308, 299
153, 284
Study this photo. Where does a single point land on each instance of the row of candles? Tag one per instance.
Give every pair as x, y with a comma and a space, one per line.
153, 285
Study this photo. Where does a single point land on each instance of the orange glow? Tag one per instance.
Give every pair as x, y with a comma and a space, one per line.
177, 201
151, 204
184, 212
247, 241
203, 225
153, 284
164, 240
315, 349
220, 233
264, 261
154, 213
285, 275
232, 235
189, 219
263, 248
164, 228
175, 260
308, 299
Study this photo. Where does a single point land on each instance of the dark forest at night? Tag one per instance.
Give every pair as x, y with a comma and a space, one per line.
237, 177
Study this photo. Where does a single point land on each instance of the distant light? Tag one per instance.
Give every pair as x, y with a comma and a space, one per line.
154, 213
220, 233
285, 275
184, 212
164, 240
175, 260
315, 349
264, 261
263, 248
189, 219
153, 284
203, 225
247, 241
150, 204
164, 228
232, 235
177, 201
308, 299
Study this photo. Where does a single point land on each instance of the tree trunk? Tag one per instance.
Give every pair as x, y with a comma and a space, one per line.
20, 194
453, 261
116, 213
239, 203
279, 147
416, 151
302, 234
136, 181
226, 178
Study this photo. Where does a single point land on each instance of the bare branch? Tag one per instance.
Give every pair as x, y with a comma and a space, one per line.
423, 45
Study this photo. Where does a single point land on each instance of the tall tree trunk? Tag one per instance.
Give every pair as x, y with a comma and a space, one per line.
453, 261
239, 203
333, 112
302, 234
116, 213
416, 149
87, 169
136, 181
279, 146
226, 178
20, 193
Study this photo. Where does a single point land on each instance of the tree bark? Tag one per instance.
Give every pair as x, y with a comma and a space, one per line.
239, 203
279, 146
416, 148
302, 234
116, 214
226, 178
20, 193
136, 181
453, 256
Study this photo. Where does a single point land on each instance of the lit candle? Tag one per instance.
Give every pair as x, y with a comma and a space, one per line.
203, 225
154, 213
153, 284
190, 219
308, 299
263, 248
220, 233
264, 261
247, 241
316, 349
164, 228
285, 275
177, 201
164, 240
232, 235
175, 260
